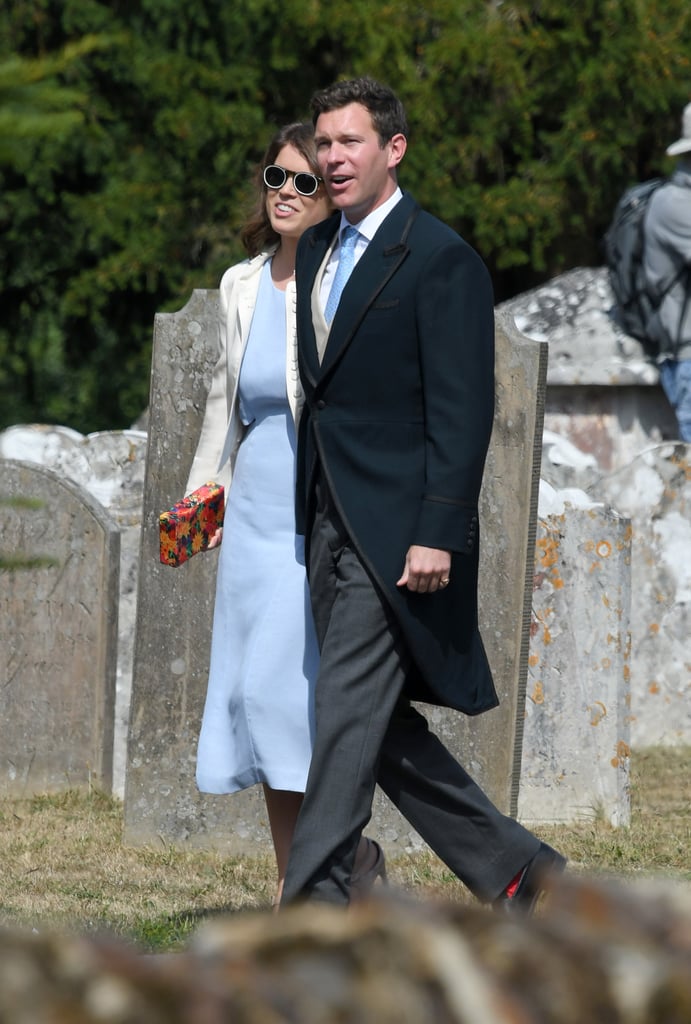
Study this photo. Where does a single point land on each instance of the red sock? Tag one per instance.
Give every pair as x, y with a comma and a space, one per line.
510, 890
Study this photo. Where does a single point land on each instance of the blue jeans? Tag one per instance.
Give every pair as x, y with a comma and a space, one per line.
675, 377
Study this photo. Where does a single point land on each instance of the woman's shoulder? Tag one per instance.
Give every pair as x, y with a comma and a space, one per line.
243, 270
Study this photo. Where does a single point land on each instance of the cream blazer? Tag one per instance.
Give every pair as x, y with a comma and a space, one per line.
222, 428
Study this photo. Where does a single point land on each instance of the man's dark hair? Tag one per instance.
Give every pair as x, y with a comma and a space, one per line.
385, 108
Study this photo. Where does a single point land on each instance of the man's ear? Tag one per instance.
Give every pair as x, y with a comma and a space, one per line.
397, 147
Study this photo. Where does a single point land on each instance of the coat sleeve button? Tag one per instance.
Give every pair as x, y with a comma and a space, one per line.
321, 404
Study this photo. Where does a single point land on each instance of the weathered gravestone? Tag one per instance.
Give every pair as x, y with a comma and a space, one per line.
603, 394
175, 605
655, 491
59, 566
578, 708
108, 465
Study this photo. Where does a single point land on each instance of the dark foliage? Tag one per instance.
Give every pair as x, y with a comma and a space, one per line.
128, 133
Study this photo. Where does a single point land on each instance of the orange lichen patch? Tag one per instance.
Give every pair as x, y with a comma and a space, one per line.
683, 464
533, 660
654, 688
605, 600
547, 556
606, 663
539, 618
598, 711
603, 548
622, 756
654, 627
548, 551
627, 673
538, 694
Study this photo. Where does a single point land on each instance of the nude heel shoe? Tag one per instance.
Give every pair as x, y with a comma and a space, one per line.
362, 881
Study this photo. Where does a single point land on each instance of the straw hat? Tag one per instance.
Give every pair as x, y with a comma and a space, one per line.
682, 145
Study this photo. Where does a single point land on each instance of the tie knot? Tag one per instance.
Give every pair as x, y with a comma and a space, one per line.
349, 238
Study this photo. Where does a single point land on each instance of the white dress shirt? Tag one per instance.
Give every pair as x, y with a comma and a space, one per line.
367, 228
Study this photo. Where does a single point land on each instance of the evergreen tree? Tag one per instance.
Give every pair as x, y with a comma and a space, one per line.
129, 134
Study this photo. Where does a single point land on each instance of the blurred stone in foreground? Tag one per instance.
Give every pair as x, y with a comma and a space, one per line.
600, 952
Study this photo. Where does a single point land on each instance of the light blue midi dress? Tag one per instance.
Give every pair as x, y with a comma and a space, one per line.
258, 721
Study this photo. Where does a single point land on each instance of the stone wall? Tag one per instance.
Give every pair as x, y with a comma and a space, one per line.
601, 953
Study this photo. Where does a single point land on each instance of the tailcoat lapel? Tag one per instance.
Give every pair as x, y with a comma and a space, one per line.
379, 263
311, 253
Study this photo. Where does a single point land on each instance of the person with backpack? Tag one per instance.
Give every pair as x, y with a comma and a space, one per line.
666, 264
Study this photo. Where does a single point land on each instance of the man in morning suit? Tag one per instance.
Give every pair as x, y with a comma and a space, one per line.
397, 366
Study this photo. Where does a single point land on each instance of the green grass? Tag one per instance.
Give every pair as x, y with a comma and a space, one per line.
63, 863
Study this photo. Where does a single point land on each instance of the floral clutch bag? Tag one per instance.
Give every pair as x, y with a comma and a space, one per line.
189, 525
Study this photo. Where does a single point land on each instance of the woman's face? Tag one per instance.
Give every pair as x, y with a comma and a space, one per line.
289, 212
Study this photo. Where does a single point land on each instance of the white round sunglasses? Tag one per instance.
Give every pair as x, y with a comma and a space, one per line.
304, 182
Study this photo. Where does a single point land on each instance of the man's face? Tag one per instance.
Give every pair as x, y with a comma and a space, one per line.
358, 172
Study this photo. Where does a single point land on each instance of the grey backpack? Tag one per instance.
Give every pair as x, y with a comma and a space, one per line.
636, 303
624, 256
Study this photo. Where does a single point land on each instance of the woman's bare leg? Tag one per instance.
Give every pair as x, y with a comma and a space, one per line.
283, 807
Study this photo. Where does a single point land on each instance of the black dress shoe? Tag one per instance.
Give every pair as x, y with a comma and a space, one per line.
362, 882
532, 883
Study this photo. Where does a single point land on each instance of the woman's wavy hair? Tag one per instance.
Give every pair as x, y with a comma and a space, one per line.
257, 234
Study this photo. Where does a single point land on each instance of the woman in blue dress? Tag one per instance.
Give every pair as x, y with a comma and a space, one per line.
258, 721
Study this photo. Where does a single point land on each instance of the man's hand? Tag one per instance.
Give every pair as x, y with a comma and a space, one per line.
426, 569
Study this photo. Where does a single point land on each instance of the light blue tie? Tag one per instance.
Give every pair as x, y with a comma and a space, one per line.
346, 262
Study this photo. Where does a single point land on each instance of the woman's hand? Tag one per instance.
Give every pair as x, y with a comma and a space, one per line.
216, 539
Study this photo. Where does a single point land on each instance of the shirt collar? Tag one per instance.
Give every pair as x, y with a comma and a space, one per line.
369, 224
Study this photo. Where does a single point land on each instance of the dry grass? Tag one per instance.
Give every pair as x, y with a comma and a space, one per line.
62, 862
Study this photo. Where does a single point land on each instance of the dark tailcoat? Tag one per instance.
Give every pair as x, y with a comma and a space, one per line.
399, 413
